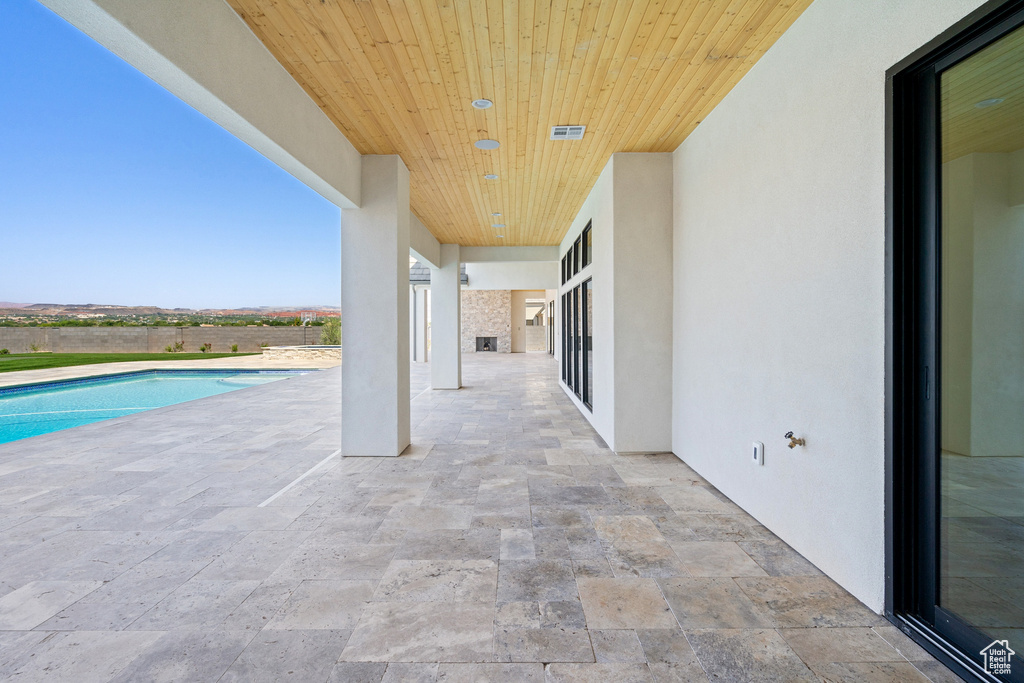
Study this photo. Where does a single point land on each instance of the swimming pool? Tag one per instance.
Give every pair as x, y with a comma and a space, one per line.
34, 409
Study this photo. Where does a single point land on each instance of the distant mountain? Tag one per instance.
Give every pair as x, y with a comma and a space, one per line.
113, 309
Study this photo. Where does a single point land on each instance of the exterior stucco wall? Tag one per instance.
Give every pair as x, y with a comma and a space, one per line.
779, 260
630, 208
512, 275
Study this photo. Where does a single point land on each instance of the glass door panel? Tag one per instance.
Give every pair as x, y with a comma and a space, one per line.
566, 340
576, 336
588, 346
980, 573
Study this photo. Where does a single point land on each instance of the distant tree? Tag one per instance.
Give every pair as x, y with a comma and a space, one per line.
330, 332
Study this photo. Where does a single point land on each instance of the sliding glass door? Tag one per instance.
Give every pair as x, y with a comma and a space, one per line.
576, 325
587, 341
958, 392
577, 341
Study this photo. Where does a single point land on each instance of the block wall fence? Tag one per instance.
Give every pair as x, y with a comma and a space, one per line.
152, 339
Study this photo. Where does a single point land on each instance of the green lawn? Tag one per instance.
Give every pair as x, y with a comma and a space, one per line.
39, 361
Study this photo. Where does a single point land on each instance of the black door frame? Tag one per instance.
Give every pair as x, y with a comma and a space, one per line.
586, 289
913, 204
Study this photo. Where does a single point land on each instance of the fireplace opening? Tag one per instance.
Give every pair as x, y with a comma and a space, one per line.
487, 344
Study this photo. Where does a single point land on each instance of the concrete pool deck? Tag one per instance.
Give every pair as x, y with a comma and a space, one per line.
224, 539
252, 362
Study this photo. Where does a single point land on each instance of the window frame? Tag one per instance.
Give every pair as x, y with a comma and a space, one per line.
912, 391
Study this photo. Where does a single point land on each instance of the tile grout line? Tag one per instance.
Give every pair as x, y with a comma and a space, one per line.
302, 476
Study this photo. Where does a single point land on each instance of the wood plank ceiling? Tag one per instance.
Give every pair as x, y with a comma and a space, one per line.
997, 72
399, 76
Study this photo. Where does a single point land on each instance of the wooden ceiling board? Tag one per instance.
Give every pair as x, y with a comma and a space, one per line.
398, 77
995, 72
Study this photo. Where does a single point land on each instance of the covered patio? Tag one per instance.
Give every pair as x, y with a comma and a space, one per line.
226, 539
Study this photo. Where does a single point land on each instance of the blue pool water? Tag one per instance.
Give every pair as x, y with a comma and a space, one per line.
39, 409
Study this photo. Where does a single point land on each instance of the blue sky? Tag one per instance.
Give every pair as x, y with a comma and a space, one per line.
114, 191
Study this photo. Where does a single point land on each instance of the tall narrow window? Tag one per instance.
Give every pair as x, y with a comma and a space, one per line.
566, 338
588, 253
577, 252
576, 325
588, 346
551, 328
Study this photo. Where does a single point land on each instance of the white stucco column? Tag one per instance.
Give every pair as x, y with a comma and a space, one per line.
375, 312
412, 323
419, 335
446, 321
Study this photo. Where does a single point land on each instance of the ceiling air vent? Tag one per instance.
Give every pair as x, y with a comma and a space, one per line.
567, 132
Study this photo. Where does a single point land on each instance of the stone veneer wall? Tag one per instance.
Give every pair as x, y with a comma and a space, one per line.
536, 338
486, 313
302, 353
152, 339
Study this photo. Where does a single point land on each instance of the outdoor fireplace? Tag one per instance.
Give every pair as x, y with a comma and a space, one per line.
487, 344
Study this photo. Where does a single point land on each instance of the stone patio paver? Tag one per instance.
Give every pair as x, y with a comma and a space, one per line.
507, 544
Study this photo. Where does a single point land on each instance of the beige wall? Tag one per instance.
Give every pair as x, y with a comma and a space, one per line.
631, 209
983, 305
151, 339
519, 326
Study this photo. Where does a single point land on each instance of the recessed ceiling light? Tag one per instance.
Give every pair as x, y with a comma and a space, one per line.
500, 237
495, 214
491, 176
989, 103
482, 104
497, 225
487, 144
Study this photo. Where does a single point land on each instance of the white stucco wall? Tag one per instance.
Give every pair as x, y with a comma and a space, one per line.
779, 310
422, 244
446, 321
643, 302
375, 418
512, 275
631, 209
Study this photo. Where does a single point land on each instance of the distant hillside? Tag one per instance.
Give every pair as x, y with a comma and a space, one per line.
117, 310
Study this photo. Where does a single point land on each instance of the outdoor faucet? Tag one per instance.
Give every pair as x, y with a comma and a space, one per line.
793, 441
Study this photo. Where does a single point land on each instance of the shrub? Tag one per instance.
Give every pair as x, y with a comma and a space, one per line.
179, 346
34, 347
4, 352
234, 348
330, 332
206, 347
168, 349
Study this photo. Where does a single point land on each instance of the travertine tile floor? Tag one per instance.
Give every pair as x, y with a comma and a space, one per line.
508, 544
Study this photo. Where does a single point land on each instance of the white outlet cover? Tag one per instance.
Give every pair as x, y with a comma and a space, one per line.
758, 452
